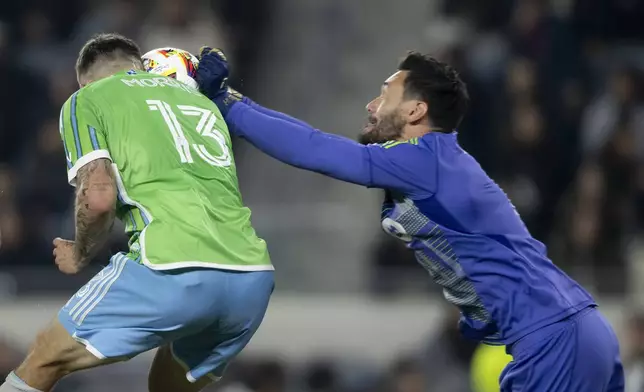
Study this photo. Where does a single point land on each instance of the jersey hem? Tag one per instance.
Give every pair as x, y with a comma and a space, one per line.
204, 264
518, 335
84, 160
88, 346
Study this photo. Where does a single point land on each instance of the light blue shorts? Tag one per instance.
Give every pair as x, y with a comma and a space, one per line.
206, 315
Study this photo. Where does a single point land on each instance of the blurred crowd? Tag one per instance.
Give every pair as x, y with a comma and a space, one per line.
557, 119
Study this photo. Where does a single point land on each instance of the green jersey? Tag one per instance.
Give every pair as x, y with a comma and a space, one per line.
178, 193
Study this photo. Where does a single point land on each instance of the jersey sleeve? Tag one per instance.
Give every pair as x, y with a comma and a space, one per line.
405, 167
83, 134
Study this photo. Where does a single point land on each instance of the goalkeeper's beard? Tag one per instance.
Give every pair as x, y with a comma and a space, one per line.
389, 127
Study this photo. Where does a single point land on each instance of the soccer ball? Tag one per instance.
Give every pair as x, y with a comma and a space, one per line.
172, 62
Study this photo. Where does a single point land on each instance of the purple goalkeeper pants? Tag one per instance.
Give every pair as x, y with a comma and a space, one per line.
577, 354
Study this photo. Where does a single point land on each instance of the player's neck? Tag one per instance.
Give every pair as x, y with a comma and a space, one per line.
107, 70
415, 131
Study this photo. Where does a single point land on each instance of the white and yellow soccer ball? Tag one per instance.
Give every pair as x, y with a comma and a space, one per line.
174, 63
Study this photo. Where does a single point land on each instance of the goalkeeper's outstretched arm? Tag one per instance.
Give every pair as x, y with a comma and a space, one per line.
405, 167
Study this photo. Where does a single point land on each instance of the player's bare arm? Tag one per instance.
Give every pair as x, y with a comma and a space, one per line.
95, 209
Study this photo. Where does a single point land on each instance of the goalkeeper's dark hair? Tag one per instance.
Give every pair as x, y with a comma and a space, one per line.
110, 47
439, 86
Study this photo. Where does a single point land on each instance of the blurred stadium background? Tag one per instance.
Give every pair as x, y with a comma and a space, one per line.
557, 119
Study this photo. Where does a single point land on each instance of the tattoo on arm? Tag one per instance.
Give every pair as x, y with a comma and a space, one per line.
95, 208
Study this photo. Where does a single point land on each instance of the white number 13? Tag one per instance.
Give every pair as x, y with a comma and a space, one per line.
205, 127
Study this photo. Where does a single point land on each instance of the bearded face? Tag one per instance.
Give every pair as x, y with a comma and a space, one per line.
382, 128
386, 120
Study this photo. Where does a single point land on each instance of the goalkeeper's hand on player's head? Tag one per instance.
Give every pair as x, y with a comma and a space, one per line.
212, 78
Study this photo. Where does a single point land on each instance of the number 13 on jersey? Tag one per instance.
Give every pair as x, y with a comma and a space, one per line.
205, 127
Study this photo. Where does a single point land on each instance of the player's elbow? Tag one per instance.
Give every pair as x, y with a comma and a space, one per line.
97, 187
102, 202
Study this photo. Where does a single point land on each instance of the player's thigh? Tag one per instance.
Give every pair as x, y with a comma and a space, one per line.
129, 308
53, 355
168, 375
576, 355
617, 382
116, 314
207, 353
597, 359
610, 345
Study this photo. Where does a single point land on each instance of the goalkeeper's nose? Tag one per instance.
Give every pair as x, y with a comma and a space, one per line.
372, 106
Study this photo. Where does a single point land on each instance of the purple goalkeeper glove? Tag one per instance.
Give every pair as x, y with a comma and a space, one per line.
212, 78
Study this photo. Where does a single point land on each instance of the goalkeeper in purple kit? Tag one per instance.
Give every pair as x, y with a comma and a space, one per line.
460, 224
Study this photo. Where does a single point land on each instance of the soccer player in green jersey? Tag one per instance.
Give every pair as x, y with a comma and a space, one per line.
196, 281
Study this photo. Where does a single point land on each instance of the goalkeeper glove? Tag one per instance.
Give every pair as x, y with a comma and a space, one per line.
212, 78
